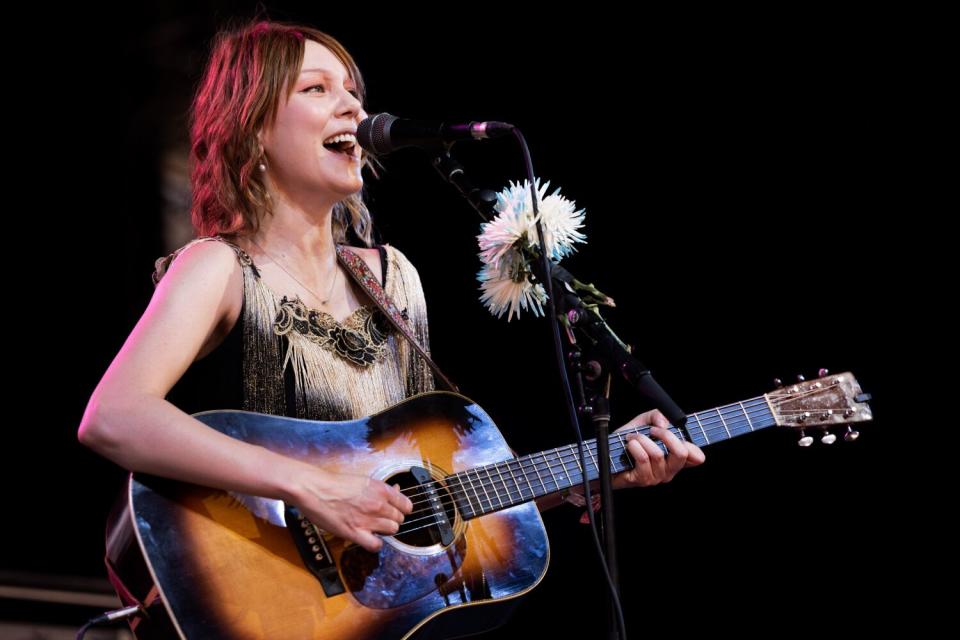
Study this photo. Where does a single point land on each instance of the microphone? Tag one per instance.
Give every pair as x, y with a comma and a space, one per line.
382, 133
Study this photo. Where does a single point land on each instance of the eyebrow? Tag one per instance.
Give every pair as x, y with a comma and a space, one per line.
326, 72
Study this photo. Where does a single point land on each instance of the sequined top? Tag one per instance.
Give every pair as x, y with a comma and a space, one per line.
285, 358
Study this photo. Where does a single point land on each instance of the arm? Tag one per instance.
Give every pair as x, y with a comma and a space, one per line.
129, 421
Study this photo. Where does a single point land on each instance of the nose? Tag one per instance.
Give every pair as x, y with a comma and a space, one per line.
350, 104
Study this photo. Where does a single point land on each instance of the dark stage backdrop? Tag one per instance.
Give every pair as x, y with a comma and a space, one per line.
734, 186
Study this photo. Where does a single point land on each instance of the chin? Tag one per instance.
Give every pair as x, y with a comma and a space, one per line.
346, 191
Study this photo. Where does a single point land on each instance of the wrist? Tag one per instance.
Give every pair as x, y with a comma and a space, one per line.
293, 479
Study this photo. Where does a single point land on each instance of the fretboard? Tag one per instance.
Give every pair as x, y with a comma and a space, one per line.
498, 486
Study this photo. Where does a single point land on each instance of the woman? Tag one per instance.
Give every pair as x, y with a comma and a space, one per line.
260, 315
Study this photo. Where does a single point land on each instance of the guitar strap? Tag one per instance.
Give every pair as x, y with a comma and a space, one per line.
362, 275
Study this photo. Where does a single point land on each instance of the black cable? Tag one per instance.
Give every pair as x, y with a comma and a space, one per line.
567, 390
109, 616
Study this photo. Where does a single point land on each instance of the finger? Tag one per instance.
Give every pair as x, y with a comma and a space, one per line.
368, 541
397, 499
649, 417
658, 463
695, 455
642, 472
676, 450
658, 419
390, 512
385, 526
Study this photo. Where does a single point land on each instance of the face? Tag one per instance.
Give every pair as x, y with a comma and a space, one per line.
322, 105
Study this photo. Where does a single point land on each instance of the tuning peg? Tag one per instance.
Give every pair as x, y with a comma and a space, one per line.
828, 438
851, 435
800, 378
805, 440
777, 382
823, 373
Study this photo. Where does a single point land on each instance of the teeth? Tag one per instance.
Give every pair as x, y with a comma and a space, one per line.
343, 137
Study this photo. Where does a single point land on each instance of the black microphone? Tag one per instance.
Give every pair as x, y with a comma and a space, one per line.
382, 133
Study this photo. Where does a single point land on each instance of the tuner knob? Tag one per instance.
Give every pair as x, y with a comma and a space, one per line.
823, 373
800, 378
777, 382
851, 435
828, 438
805, 440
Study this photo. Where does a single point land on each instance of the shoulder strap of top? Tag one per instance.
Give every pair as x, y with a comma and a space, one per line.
163, 263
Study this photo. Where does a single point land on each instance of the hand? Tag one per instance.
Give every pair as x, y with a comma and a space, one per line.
651, 466
351, 506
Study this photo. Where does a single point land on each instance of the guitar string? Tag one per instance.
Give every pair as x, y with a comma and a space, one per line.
547, 463
733, 426
709, 427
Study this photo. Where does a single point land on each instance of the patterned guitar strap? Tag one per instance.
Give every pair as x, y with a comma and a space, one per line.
363, 276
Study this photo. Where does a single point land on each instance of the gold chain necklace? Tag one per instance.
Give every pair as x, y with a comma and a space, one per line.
297, 280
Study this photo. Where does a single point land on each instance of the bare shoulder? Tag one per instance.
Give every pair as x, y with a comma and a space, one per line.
204, 275
199, 293
209, 260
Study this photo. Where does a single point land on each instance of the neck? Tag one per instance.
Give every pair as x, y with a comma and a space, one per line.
297, 233
514, 481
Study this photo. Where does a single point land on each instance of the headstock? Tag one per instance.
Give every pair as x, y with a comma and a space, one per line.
828, 401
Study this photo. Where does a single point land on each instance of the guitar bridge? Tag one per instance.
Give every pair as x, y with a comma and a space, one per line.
313, 551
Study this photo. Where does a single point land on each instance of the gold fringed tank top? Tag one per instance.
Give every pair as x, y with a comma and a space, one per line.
285, 358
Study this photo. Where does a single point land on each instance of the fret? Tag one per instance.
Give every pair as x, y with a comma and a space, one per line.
539, 477
556, 485
570, 481
523, 471
706, 440
514, 478
503, 481
724, 423
489, 506
479, 508
746, 415
615, 467
493, 486
462, 492
588, 446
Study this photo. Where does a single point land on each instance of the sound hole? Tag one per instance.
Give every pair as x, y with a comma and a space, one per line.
433, 508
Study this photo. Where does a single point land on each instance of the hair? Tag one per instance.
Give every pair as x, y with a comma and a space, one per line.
249, 71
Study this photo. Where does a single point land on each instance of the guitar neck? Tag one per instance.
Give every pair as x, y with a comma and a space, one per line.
490, 488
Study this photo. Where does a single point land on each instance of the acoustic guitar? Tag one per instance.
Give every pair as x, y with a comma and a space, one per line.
207, 564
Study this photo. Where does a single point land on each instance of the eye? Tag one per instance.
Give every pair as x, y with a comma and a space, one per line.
316, 86
355, 93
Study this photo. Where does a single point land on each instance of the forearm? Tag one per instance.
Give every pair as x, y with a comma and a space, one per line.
150, 435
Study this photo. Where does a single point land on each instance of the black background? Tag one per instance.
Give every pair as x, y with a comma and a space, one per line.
737, 193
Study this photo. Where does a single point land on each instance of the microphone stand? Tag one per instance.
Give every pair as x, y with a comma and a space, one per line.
579, 311
576, 311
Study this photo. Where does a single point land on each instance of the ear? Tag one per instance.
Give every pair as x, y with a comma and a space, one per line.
262, 137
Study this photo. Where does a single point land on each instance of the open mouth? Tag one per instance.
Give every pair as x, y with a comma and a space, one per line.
344, 144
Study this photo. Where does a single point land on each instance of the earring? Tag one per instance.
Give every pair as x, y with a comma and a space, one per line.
262, 167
